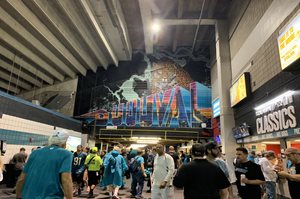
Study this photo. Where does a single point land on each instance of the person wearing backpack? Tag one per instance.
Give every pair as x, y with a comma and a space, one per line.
137, 170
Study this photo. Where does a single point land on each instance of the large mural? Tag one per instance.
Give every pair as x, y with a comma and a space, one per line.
160, 93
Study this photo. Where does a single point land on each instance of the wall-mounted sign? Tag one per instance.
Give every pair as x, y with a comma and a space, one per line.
276, 115
288, 43
240, 89
216, 107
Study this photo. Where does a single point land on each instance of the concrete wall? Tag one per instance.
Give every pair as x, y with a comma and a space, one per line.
255, 37
69, 86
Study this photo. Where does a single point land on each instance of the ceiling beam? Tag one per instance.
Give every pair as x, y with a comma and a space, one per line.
71, 12
186, 22
9, 87
178, 29
4, 36
145, 10
26, 66
54, 20
18, 28
46, 34
14, 80
99, 31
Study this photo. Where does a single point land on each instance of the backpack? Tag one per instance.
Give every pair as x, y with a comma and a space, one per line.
133, 165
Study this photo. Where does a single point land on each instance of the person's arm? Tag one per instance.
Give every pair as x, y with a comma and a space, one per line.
253, 182
143, 170
66, 181
284, 174
20, 184
223, 193
171, 169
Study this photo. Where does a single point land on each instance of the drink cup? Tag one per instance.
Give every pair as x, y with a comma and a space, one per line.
242, 177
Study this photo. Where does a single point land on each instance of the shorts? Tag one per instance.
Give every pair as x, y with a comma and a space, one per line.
77, 178
93, 178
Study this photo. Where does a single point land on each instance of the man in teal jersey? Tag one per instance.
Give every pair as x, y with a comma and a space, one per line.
47, 173
93, 163
78, 168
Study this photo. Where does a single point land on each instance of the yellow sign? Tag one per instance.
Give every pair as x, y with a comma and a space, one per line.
238, 91
289, 43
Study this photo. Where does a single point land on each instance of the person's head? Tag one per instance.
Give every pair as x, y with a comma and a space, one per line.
154, 152
241, 154
86, 149
139, 152
22, 150
79, 148
59, 138
293, 154
171, 149
94, 150
252, 153
259, 154
160, 149
102, 153
270, 155
198, 150
212, 149
117, 148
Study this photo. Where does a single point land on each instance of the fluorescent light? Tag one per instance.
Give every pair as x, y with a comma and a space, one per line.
297, 140
270, 142
136, 146
147, 141
145, 138
276, 99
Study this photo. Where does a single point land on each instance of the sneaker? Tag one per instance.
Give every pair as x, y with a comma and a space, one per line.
91, 195
79, 191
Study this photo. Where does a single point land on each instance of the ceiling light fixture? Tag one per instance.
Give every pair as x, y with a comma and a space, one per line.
276, 99
155, 27
136, 146
147, 141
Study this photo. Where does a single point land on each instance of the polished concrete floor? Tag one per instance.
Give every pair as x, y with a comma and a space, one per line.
6, 193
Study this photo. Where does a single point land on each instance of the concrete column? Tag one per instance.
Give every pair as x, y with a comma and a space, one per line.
223, 84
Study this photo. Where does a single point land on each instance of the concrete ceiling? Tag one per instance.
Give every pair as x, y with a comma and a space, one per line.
43, 42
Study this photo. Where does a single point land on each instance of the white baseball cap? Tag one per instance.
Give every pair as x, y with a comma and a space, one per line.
58, 137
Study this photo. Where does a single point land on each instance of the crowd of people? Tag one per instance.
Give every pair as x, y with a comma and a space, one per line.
53, 172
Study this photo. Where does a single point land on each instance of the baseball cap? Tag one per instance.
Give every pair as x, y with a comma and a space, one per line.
94, 149
58, 137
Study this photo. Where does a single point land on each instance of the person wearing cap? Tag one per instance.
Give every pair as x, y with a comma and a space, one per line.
293, 174
248, 174
47, 173
201, 178
93, 164
213, 152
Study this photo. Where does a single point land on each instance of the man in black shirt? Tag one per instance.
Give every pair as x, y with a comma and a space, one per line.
201, 178
293, 174
174, 155
249, 186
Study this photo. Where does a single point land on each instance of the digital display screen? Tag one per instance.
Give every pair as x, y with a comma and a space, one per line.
216, 107
288, 43
239, 90
241, 131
